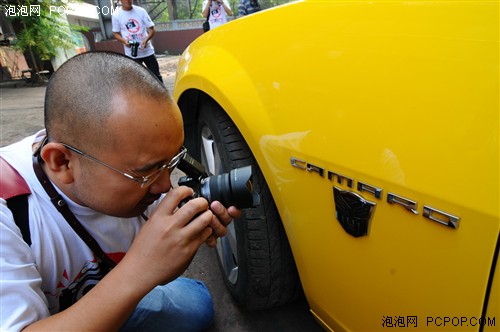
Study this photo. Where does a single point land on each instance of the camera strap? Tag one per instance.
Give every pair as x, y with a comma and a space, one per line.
106, 263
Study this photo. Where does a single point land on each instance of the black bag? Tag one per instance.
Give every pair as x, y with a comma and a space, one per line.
206, 25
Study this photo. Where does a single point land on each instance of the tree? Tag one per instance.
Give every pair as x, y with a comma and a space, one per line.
172, 9
42, 29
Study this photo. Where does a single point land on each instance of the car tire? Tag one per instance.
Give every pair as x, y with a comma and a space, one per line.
255, 256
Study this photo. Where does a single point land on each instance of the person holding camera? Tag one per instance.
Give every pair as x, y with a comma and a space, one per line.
247, 7
100, 242
133, 27
216, 11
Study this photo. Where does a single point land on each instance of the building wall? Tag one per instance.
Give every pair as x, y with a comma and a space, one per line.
173, 42
12, 63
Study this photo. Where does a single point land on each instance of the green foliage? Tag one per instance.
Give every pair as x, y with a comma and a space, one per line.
190, 9
43, 34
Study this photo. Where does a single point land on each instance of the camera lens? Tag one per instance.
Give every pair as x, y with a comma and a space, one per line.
233, 188
133, 48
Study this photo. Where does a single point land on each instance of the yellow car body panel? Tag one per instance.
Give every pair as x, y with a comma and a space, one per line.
402, 96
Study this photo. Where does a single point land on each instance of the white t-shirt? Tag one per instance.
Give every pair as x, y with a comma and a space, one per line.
58, 268
133, 26
217, 13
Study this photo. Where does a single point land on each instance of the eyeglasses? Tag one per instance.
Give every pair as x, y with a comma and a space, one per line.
144, 181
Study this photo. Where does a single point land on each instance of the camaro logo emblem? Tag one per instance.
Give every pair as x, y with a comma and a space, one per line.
349, 216
353, 212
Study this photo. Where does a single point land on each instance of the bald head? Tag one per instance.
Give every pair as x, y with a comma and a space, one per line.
78, 99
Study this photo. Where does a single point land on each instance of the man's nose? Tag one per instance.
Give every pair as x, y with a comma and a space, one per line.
162, 184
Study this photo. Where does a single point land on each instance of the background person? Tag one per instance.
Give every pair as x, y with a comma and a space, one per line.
218, 11
247, 7
109, 175
133, 24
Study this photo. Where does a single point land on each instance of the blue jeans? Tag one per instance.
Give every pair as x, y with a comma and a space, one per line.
181, 305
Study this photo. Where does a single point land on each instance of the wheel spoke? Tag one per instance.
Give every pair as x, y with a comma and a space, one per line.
226, 249
207, 151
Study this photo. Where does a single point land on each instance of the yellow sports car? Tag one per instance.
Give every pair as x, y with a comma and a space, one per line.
372, 128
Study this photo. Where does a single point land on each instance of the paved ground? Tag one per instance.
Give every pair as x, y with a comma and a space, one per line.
21, 114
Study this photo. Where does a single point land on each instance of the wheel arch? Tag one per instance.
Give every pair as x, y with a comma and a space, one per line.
189, 106
190, 103
211, 74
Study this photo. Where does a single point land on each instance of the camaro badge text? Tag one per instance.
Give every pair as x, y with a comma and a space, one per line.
428, 212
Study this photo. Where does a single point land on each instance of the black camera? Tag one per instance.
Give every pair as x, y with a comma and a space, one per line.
134, 45
233, 188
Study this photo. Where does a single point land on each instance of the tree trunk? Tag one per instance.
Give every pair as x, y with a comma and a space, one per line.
172, 10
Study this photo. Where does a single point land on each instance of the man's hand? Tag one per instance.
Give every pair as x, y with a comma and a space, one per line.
222, 217
168, 241
119, 37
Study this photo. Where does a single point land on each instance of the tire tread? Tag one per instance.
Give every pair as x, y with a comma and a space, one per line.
272, 278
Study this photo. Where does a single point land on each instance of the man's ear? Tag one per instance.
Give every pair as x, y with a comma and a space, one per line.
59, 162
